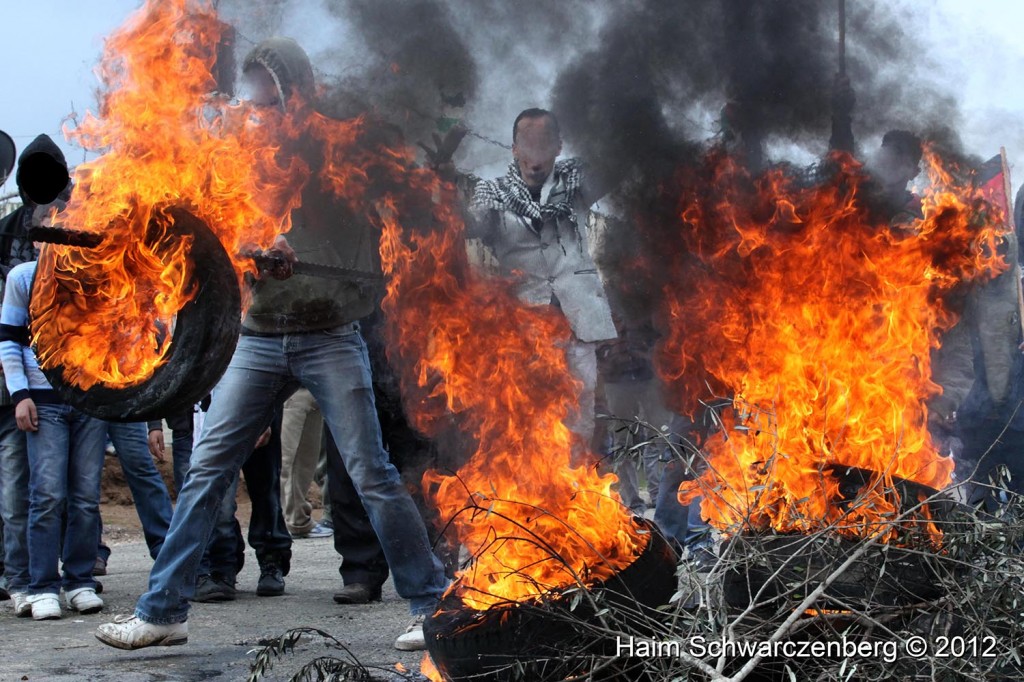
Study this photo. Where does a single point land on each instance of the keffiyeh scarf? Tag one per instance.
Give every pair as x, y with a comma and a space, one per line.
510, 193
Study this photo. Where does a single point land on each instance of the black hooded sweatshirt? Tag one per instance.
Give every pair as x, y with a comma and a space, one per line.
40, 165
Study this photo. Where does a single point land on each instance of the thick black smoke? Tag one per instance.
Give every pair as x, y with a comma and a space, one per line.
419, 65
664, 79
634, 83
658, 67
402, 59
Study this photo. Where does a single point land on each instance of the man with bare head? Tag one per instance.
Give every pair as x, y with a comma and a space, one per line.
536, 143
534, 219
892, 168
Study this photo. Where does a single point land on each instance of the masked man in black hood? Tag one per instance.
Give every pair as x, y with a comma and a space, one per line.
42, 176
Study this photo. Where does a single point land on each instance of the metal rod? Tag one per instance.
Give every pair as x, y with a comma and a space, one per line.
842, 37
67, 237
263, 260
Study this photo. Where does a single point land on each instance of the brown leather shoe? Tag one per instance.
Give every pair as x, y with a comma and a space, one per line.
357, 593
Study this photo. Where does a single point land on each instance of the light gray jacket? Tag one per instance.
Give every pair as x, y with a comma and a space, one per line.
549, 258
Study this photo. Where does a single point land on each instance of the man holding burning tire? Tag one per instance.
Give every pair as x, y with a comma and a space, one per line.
299, 331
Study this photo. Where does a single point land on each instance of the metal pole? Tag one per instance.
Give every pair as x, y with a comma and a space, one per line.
842, 37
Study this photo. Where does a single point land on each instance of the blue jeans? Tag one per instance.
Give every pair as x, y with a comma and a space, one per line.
14, 501
681, 524
182, 427
65, 459
362, 557
264, 370
152, 501
268, 534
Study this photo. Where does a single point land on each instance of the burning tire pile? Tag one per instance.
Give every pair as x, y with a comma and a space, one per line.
550, 638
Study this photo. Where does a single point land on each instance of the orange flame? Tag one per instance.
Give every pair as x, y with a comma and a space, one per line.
818, 320
105, 313
476, 355
429, 670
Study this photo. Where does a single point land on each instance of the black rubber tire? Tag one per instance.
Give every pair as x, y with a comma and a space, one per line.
775, 563
530, 642
205, 336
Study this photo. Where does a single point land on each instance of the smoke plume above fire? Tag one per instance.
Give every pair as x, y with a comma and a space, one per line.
629, 81
639, 87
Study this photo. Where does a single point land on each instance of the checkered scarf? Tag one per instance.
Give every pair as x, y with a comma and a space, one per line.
510, 193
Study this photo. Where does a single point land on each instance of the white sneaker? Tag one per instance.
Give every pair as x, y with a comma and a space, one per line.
84, 600
412, 639
45, 606
22, 606
131, 632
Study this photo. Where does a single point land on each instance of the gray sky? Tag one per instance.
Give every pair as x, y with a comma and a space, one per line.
982, 55
52, 46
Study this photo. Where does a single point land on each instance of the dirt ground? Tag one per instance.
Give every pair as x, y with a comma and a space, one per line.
120, 520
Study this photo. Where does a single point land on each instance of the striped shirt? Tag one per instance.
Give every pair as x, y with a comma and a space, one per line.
21, 369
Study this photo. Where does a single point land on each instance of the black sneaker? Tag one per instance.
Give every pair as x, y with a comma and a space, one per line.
271, 583
211, 589
357, 593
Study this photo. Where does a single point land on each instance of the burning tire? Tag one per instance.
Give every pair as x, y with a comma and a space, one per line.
777, 572
549, 640
204, 338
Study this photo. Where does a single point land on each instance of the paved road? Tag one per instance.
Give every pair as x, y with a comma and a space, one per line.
221, 636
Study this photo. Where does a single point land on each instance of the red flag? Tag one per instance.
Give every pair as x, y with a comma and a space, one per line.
994, 181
